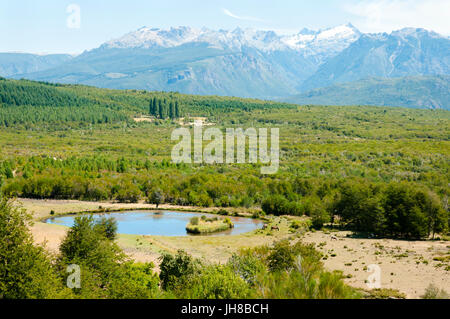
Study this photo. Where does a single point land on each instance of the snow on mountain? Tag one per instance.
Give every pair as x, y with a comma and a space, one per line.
307, 42
324, 42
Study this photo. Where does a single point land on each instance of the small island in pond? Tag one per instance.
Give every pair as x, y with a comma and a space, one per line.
205, 225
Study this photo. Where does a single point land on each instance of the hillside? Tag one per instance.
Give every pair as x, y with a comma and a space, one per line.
413, 92
246, 63
23, 63
24, 102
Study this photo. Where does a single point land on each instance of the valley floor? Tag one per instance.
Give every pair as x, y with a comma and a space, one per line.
408, 266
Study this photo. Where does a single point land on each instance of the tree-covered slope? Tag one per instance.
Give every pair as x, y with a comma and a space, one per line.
413, 92
24, 102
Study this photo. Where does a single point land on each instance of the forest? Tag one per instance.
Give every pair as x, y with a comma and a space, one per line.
30, 104
382, 171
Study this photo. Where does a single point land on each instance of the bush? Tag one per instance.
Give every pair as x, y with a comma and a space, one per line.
195, 220
247, 267
216, 282
156, 198
281, 257
175, 270
134, 281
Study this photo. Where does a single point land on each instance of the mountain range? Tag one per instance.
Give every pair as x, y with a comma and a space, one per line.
246, 63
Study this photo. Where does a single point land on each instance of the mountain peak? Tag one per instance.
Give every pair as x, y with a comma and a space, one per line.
146, 37
408, 32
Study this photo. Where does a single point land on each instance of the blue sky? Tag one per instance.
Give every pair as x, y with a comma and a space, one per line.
41, 26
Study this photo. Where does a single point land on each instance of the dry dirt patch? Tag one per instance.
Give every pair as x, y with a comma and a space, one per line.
405, 265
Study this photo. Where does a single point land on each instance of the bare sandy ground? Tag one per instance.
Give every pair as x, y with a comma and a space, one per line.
407, 266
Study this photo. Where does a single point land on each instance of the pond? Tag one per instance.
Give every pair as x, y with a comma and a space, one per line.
164, 223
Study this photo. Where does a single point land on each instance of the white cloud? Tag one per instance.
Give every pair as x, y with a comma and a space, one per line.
244, 18
389, 15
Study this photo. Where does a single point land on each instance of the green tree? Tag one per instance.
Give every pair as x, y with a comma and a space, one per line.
156, 198
404, 212
108, 226
360, 206
87, 244
26, 271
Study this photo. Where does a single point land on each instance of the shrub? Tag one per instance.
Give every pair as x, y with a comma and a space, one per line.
195, 220
175, 270
216, 282
433, 292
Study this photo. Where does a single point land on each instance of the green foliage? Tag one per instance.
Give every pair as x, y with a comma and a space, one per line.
398, 210
26, 271
285, 257
319, 214
108, 226
335, 161
290, 272
247, 266
216, 282
278, 205
133, 281
36, 104
433, 292
360, 207
156, 198
86, 243
176, 270
194, 221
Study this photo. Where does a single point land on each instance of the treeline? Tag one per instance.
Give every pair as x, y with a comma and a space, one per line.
396, 210
163, 108
58, 117
89, 249
384, 209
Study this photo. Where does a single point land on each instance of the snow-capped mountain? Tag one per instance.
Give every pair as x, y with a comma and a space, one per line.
406, 52
306, 42
248, 62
